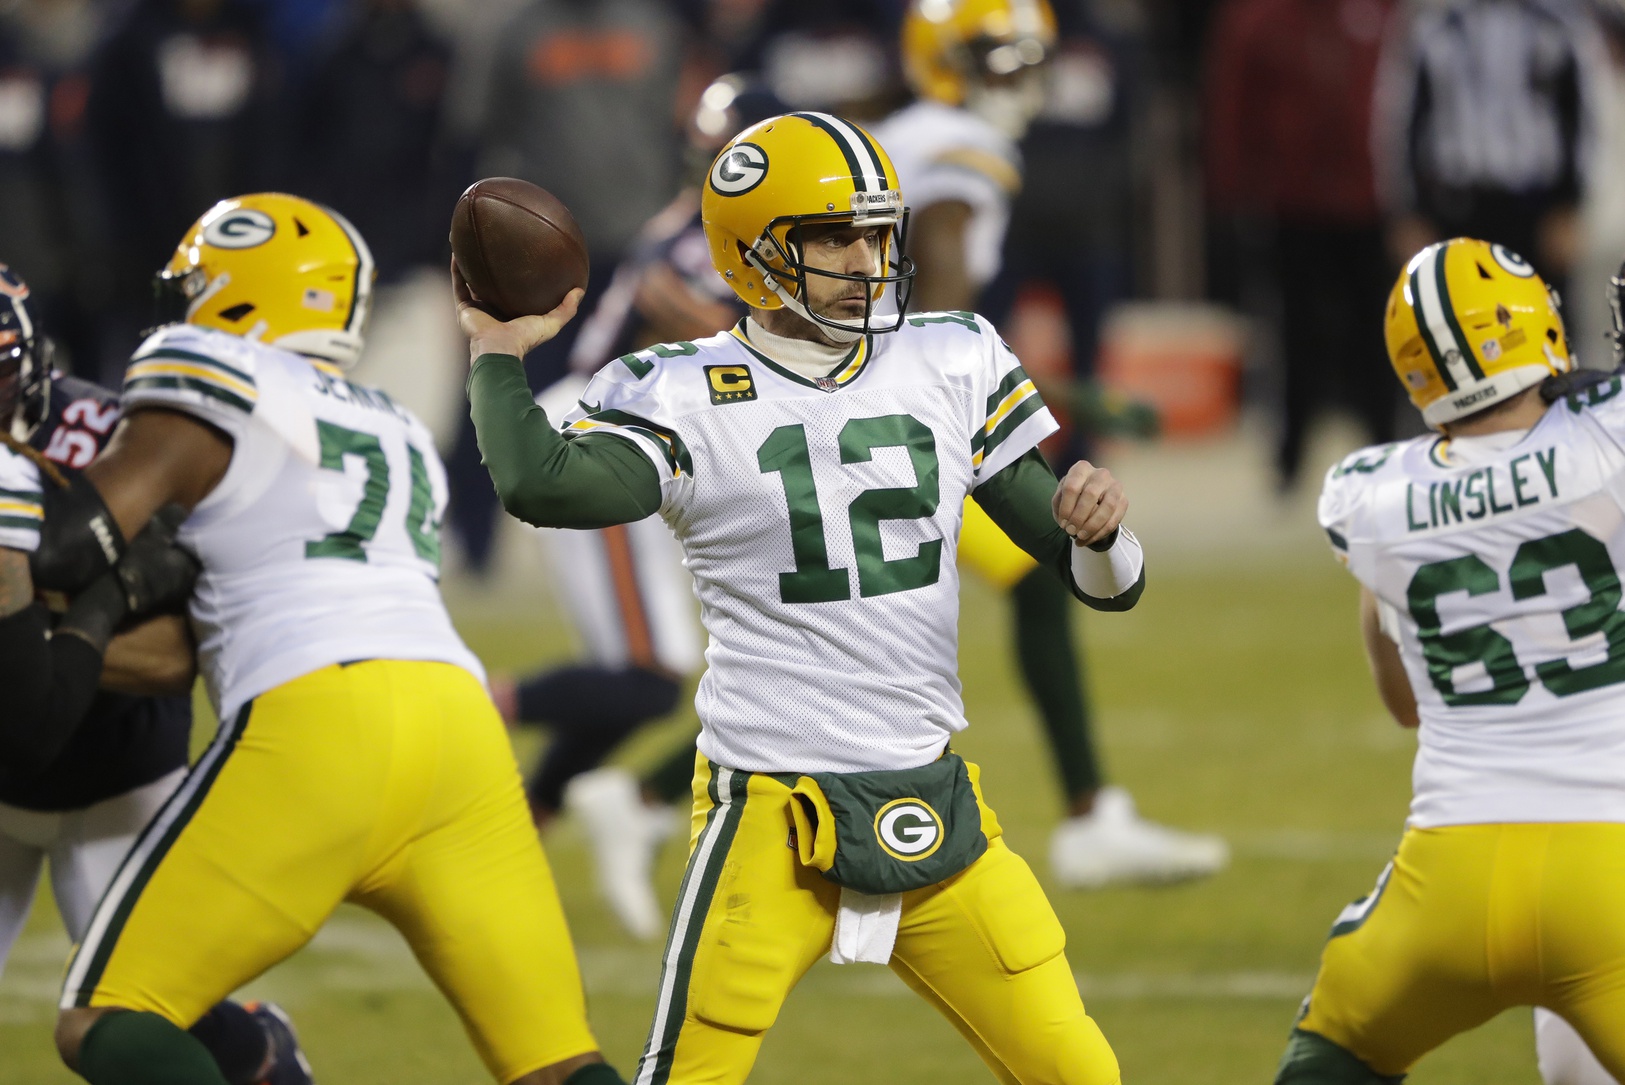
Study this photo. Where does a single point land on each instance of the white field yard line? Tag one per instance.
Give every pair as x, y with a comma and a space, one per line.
354, 954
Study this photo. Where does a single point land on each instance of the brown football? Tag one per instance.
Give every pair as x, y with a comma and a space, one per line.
518, 246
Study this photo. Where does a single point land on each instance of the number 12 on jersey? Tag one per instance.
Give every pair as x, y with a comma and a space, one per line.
786, 454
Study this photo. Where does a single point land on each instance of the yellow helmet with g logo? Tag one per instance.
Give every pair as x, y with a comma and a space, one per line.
1468, 325
953, 49
794, 170
273, 268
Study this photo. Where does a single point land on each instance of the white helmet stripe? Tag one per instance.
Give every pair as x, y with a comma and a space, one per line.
874, 174
865, 164
361, 297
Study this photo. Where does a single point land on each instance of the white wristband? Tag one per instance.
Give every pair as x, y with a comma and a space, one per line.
1110, 573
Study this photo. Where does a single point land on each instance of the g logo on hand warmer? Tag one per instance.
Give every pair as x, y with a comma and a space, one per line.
908, 829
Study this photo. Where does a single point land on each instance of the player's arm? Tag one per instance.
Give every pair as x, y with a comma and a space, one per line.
156, 658
50, 676
936, 241
1393, 684
156, 457
48, 680
1073, 527
540, 477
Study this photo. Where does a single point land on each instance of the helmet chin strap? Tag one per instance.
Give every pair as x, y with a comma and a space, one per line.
842, 332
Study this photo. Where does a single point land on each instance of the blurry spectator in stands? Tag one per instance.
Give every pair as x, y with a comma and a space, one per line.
182, 113
1485, 115
1289, 164
49, 216
583, 99
371, 142
838, 56
368, 142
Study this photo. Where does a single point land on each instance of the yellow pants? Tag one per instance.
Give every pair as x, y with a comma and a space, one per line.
983, 947
1470, 920
988, 551
387, 783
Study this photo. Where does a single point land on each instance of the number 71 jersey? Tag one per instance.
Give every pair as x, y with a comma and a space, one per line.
321, 544
819, 518
1496, 562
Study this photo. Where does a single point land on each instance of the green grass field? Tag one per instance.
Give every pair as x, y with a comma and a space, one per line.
1235, 699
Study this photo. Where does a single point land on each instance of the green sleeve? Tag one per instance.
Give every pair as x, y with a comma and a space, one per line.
543, 478
1018, 500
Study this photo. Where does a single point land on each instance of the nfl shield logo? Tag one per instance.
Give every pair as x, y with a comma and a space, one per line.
826, 384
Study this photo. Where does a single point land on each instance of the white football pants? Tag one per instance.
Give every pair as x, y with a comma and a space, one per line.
85, 848
1564, 1057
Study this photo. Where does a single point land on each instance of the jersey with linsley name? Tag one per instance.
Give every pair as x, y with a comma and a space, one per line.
321, 544
1498, 575
819, 519
22, 508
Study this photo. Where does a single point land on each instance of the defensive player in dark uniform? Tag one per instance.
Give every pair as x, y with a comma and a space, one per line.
84, 767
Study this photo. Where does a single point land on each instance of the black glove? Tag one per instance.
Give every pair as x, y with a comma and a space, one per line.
80, 539
1573, 382
156, 575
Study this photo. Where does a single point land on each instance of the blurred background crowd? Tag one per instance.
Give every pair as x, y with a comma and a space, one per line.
1218, 192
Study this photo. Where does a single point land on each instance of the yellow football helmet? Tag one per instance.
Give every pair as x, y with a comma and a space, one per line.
1468, 325
277, 269
980, 54
795, 169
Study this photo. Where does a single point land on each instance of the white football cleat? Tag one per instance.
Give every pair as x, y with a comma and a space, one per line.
624, 834
1112, 845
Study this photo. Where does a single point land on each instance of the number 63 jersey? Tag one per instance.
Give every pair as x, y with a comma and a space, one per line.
321, 544
819, 519
1496, 564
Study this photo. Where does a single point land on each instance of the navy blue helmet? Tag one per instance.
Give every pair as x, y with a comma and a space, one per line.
25, 359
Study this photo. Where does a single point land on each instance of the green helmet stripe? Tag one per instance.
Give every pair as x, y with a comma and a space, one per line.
1424, 324
848, 147
1450, 320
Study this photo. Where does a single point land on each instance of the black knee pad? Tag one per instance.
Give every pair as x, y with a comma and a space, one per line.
1311, 1059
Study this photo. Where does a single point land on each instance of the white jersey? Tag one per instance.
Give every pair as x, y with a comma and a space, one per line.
21, 508
1496, 571
819, 519
321, 544
948, 155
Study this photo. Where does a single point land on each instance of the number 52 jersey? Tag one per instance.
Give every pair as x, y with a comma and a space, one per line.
1496, 563
321, 544
819, 519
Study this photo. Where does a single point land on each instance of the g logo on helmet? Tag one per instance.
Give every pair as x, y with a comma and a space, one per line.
908, 829
738, 169
242, 228
1511, 262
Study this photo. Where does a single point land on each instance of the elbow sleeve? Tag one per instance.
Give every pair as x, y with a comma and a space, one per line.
49, 683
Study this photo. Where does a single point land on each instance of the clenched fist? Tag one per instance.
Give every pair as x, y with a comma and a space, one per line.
1089, 503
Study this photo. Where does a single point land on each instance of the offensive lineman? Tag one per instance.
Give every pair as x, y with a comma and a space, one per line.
354, 720
977, 69
814, 470
1488, 559
80, 778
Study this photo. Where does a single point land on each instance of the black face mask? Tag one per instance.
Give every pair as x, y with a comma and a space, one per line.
897, 276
